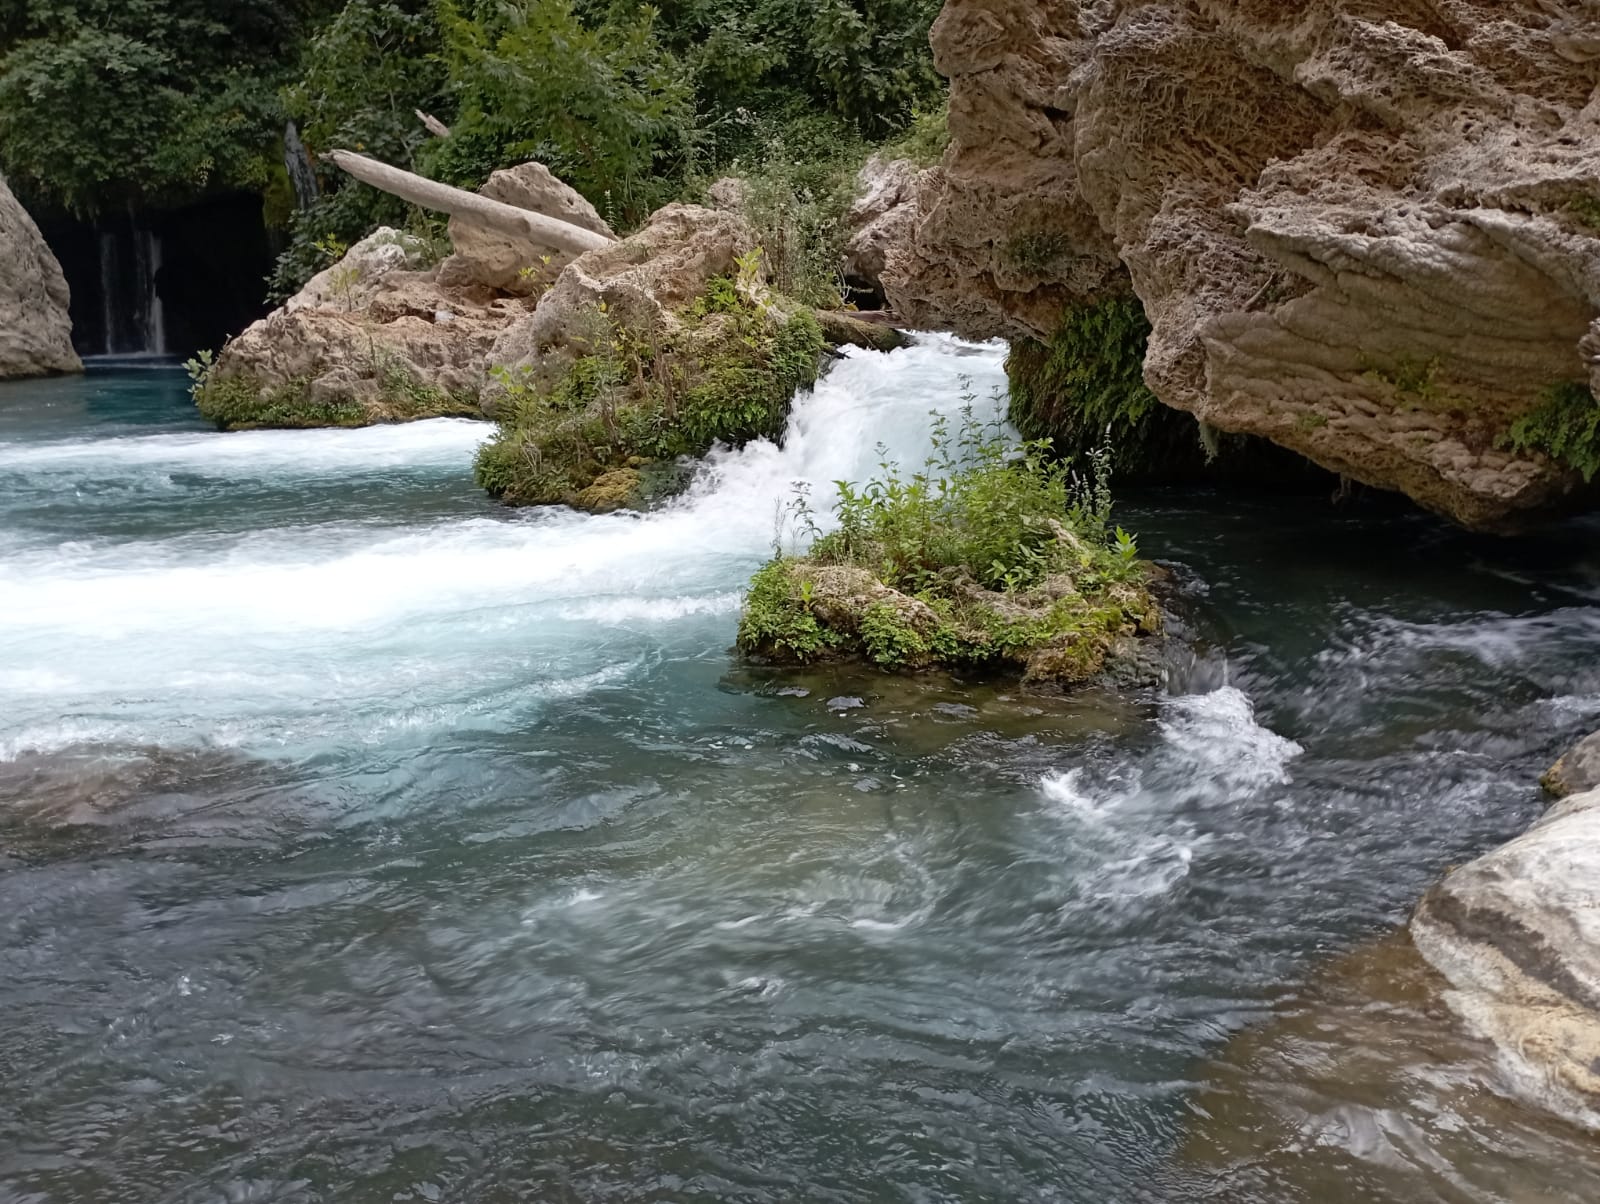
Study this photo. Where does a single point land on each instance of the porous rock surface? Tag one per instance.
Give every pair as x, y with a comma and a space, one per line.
641, 284
509, 263
1517, 934
1367, 230
35, 329
376, 316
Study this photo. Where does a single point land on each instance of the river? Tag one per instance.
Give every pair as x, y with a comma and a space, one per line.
363, 841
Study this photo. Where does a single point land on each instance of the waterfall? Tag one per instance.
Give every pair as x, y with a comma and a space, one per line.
132, 314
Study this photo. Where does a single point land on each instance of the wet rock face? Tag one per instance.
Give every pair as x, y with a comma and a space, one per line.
35, 330
1517, 933
1367, 232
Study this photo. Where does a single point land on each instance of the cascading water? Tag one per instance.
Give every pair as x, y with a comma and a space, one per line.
362, 840
132, 314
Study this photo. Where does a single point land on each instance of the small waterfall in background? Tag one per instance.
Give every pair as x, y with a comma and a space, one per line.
133, 320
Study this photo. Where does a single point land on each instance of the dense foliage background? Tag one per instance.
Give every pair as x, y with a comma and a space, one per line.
110, 103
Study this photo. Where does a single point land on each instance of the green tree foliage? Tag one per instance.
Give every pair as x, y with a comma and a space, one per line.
604, 106
106, 102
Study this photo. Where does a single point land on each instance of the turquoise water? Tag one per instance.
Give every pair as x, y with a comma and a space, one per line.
360, 840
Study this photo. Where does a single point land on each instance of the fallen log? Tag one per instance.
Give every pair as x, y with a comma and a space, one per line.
469, 206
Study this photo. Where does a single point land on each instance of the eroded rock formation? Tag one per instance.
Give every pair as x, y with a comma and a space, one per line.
35, 329
1367, 230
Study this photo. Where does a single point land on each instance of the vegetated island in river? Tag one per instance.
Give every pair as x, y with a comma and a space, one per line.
990, 558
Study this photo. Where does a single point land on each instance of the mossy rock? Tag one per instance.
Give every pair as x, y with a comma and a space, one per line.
800, 612
844, 329
725, 371
391, 391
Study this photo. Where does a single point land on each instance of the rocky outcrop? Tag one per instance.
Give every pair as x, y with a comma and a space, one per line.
1369, 233
644, 351
1577, 771
373, 338
1517, 934
35, 329
516, 262
883, 216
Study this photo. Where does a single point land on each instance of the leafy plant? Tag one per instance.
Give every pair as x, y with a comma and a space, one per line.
1564, 426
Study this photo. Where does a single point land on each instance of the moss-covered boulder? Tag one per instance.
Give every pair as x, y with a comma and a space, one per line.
990, 558
644, 352
801, 611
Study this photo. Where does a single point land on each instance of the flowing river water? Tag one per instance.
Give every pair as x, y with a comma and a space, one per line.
362, 841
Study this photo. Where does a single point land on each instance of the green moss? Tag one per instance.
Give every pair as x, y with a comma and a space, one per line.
237, 404
889, 638
1085, 389
1037, 252
729, 377
1564, 426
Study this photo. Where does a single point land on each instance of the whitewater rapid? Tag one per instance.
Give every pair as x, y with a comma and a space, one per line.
258, 608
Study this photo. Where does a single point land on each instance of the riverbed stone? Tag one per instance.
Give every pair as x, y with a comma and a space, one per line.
1517, 934
1577, 771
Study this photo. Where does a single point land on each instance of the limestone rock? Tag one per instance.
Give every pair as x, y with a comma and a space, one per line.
642, 282
504, 261
1517, 934
373, 338
1364, 232
35, 329
883, 216
1577, 771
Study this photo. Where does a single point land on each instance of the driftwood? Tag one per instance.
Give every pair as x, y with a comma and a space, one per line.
469, 206
432, 124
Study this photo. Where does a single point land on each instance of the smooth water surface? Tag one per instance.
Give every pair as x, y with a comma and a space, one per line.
363, 841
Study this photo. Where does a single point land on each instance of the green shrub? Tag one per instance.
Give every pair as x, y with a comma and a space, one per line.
1006, 516
989, 555
1565, 426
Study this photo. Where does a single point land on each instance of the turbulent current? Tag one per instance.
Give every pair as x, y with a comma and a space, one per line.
362, 841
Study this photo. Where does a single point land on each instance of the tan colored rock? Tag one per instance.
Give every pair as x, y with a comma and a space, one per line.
883, 216
1577, 771
35, 328
1362, 231
1517, 933
642, 282
376, 330
512, 262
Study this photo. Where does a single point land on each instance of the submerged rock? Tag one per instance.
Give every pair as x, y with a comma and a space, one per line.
1577, 771
35, 327
1370, 238
1517, 934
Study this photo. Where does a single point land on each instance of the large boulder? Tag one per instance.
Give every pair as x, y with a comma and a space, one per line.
35, 329
1517, 934
374, 338
1369, 234
883, 216
509, 262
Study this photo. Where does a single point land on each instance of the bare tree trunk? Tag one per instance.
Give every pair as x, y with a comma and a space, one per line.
469, 206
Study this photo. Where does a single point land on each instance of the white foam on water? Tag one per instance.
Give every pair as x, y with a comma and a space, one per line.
1218, 736
342, 624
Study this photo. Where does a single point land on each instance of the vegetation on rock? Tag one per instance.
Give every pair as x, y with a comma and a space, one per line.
990, 557
1564, 426
1085, 389
392, 393
637, 399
